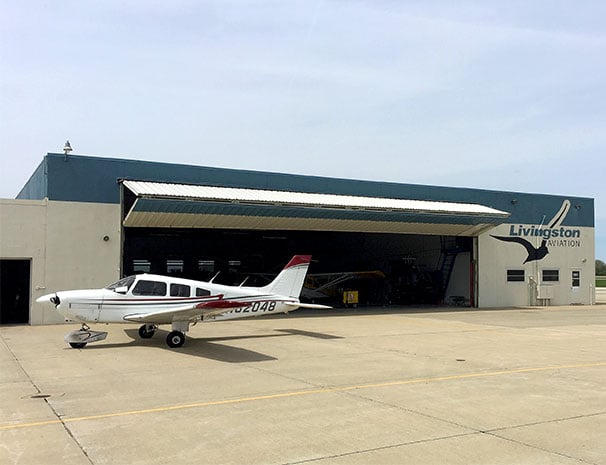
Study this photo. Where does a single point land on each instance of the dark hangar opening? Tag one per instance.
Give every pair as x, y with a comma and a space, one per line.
15, 278
399, 269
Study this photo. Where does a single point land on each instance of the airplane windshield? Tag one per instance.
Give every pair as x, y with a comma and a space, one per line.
124, 282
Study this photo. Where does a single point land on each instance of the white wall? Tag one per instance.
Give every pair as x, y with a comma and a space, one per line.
23, 236
495, 257
65, 242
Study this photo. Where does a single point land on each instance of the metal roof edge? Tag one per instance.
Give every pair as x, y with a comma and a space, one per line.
199, 192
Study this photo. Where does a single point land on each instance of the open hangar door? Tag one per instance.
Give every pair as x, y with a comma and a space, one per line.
399, 251
401, 269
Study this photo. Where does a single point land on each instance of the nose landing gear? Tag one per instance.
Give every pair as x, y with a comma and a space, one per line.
78, 338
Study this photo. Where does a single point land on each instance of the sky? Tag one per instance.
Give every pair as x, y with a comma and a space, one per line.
486, 94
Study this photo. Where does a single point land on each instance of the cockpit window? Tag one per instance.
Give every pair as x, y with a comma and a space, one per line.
179, 290
124, 282
144, 287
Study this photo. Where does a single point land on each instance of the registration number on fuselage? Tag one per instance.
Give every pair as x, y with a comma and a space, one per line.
259, 306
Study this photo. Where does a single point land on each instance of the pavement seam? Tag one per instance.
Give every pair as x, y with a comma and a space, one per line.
532, 446
376, 449
430, 440
490, 432
473, 432
544, 422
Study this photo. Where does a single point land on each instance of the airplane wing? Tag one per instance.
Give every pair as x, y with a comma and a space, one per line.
186, 312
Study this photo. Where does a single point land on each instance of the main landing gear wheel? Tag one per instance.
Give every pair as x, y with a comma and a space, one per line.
175, 339
147, 331
78, 345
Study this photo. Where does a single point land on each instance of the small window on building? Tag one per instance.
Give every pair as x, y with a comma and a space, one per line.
201, 292
551, 275
141, 266
174, 266
179, 290
234, 265
515, 276
576, 278
144, 287
206, 265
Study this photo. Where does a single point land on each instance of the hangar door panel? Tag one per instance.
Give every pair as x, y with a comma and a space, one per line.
164, 205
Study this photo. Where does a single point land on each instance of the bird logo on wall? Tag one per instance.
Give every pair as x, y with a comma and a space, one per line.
538, 253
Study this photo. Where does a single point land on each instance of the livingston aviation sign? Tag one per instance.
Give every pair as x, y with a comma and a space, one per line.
552, 235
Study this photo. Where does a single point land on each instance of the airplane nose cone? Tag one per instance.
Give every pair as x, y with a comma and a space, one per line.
52, 298
45, 298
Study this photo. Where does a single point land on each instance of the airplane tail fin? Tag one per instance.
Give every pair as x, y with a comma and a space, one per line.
290, 280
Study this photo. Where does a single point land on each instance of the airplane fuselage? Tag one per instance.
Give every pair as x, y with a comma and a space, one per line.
152, 294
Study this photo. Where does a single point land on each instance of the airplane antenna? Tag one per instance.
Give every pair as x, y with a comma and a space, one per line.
242, 283
213, 278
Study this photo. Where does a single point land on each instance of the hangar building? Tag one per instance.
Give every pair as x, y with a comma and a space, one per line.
84, 222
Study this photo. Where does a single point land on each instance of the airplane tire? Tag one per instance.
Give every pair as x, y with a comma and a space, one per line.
78, 345
175, 339
144, 333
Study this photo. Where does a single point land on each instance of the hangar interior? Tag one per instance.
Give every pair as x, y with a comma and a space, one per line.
383, 268
385, 251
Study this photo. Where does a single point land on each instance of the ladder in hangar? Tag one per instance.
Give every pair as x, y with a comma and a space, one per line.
449, 252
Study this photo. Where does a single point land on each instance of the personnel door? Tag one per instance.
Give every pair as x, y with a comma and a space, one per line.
14, 291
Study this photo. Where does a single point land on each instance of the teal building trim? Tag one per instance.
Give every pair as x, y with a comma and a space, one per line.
78, 178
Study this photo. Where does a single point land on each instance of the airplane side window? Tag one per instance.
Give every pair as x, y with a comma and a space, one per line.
202, 292
179, 290
144, 287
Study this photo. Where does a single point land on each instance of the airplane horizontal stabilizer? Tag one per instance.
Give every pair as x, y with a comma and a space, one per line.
305, 305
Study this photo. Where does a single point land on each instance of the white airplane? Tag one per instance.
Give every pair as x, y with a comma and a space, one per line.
155, 300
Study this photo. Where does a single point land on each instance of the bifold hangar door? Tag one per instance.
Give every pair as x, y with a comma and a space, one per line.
392, 250
153, 204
